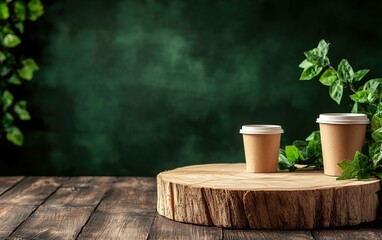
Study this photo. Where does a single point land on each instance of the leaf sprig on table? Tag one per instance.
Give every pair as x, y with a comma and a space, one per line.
307, 153
367, 98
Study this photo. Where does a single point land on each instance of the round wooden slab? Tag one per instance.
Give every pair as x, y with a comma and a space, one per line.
225, 195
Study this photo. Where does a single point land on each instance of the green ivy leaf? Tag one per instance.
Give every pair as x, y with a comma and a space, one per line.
15, 136
312, 56
7, 29
11, 40
355, 108
323, 48
14, 80
7, 99
357, 76
345, 71
284, 163
377, 134
300, 144
376, 122
20, 26
316, 59
2, 56
314, 148
20, 10
361, 162
292, 153
8, 120
5, 70
36, 9
21, 109
349, 171
4, 11
372, 85
379, 108
305, 64
328, 77
375, 152
361, 96
310, 72
372, 109
318, 54
314, 136
336, 91
29, 67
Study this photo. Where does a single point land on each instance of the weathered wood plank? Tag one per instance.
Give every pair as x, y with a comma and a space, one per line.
266, 234
32, 190
130, 194
89, 181
76, 199
164, 228
118, 226
81, 191
11, 217
364, 231
54, 222
8, 182
126, 211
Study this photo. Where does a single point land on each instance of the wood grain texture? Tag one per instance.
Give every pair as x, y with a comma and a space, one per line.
126, 211
241, 234
130, 194
53, 222
81, 191
364, 231
89, 181
32, 190
225, 195
74, 200
8, 182
11, 217
118, 226
164, 228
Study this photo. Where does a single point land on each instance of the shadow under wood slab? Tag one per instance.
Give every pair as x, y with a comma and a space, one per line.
163, 228
225, 195
246, 234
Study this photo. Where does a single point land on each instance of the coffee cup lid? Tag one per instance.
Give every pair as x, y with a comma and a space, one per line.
261, 129
343, 118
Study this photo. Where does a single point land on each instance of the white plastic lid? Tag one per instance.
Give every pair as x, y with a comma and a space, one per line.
343, 118
261, 129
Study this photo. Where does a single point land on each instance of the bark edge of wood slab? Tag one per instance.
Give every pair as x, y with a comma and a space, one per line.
225, 195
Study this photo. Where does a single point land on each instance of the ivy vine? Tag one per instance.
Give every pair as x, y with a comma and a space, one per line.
15, 68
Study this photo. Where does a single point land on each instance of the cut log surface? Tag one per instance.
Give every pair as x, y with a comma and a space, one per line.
225, 195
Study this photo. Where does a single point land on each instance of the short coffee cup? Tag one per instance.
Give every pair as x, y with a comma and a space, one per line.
261, 147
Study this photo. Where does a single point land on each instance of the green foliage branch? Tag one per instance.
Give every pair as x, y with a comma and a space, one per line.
366, 96
15, 68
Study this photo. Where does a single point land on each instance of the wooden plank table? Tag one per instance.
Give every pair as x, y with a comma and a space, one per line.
118, 208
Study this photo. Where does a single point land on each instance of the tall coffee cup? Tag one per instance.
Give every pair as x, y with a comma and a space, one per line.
261, 147
342, 134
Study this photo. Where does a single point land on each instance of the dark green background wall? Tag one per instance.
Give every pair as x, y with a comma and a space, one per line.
132, 87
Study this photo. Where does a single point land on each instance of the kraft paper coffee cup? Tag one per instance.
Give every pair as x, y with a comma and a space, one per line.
261, 147
342, 134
